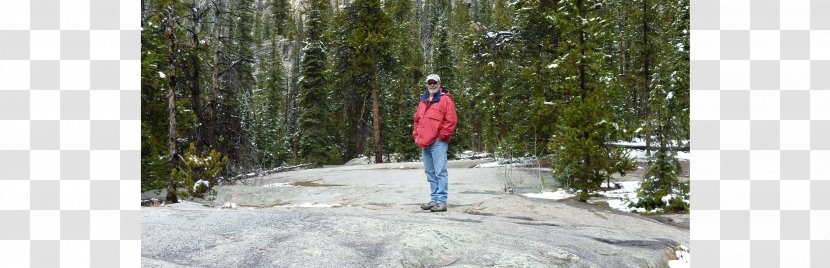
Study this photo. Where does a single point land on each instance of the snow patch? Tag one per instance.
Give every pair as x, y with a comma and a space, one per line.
557, 195
637, 154
277, 184
196, 185
635, 142
515, 162
360, 160
642, 142
618, 199
472, 155
683, 258
641, 155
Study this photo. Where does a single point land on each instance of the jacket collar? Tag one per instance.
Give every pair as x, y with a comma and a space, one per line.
434, 98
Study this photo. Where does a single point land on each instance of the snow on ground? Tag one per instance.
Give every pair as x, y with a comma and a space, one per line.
515, 162
558, 195
365, 160
618, 199
641, 154
472, 155
636, 154
642, 142
683, 258
278, 184
635, 142
360, 160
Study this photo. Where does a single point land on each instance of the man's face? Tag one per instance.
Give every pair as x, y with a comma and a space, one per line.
433, 86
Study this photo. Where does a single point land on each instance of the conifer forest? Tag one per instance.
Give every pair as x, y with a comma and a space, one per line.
234, 86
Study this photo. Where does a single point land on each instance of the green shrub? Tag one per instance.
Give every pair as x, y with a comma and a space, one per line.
205, 168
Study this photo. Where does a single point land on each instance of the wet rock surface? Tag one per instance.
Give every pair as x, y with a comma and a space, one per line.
379, 223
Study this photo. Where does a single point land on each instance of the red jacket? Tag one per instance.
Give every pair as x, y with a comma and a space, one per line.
434, 119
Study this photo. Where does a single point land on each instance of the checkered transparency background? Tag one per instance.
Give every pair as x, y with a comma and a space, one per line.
760, 97
70, 133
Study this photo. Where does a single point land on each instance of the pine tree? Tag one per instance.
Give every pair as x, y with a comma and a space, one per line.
401, 80
444, 64
661, 188
536, 41
623, 22
172, 139
313, 91
280, 11
193, 48
470, 128
269, 95
241, 77
369, 26
460, 34
575, 73
636, 28
213, 111
346, 99
292, 112
584, 159
496, 83
482, 10
155, 154
443, 61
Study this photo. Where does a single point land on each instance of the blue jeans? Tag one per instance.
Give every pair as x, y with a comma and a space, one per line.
435, 166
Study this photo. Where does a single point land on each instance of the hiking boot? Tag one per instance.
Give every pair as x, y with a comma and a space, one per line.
439, 208
429, 205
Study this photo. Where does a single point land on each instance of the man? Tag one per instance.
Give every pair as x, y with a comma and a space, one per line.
435, 122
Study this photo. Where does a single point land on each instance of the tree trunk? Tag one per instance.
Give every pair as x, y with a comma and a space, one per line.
375, 111
196, 103
647, 76
360, 141
583, 85
214, 79
195, 79
292, 96
171, 105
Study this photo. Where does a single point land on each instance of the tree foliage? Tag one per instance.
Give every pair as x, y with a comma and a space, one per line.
266, 85
200, 170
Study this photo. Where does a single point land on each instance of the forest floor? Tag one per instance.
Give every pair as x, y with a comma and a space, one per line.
369, 216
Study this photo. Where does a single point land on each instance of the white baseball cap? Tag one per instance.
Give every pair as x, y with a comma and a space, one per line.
433, 77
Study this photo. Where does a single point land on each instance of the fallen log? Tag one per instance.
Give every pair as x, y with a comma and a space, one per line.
259, 173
